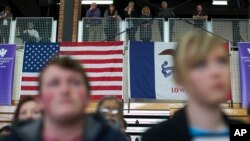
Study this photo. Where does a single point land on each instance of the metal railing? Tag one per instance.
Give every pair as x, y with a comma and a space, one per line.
178, 27
101, 29
5, 30
145, 29
32, 29
234, 30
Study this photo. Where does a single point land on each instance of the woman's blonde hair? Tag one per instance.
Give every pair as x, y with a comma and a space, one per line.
191, 49
143, 11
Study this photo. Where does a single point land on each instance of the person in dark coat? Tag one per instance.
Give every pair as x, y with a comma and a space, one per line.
146, 25
5, 21
131, 13
166, 13
202, 67
112, 21
64, 96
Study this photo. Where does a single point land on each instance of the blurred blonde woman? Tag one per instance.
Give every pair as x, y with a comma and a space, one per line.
146, 26
202, 67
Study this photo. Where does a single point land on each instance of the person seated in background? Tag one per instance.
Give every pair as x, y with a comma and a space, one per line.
112, 110
30, 34
5, 25
94, 23
5, 131
111, 25
130, 12
166, 13
27, 109
248, 113
200, 16
202, 67
123, 127
146, 24
128, 137
64, 96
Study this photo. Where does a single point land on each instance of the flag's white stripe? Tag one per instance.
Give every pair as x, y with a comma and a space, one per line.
30, 74
29, 92
113, 48
109, 65
90, 74
102, 92
92, 83
81, 57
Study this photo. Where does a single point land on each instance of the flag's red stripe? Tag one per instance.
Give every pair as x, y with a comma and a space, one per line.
106, 88
103, 69
98, 97
92, 97
104, 61
35, 88
111, 52
90, 78
26, 88
105, 78
29, 78
87, 44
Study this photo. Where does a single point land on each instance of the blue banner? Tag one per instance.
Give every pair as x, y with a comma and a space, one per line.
7, 64
244, 59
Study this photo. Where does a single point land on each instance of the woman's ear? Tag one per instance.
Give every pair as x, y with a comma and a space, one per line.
40, 102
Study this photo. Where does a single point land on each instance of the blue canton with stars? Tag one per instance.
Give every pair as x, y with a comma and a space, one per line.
37, 55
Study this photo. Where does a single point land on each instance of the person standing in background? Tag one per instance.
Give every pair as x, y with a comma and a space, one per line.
30, 34
199, 13
130, 13
166, 13
94, 13
200, 16
146, 26
5, 16
112, 20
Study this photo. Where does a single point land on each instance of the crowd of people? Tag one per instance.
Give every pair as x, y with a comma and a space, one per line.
94, 22
57, 114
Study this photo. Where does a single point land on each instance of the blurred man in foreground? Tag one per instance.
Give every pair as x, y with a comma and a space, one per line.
64, 93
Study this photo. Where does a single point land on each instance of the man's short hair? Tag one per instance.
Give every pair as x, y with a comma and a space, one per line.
68, 64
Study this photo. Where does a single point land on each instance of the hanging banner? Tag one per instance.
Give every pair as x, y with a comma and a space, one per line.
7, 63
244, 58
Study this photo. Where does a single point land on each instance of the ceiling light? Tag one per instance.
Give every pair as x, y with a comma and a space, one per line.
219, 2
97, 1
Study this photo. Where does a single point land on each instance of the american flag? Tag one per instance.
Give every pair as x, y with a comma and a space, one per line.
36, 56
103, 62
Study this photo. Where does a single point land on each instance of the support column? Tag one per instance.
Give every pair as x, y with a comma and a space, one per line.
69, 15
